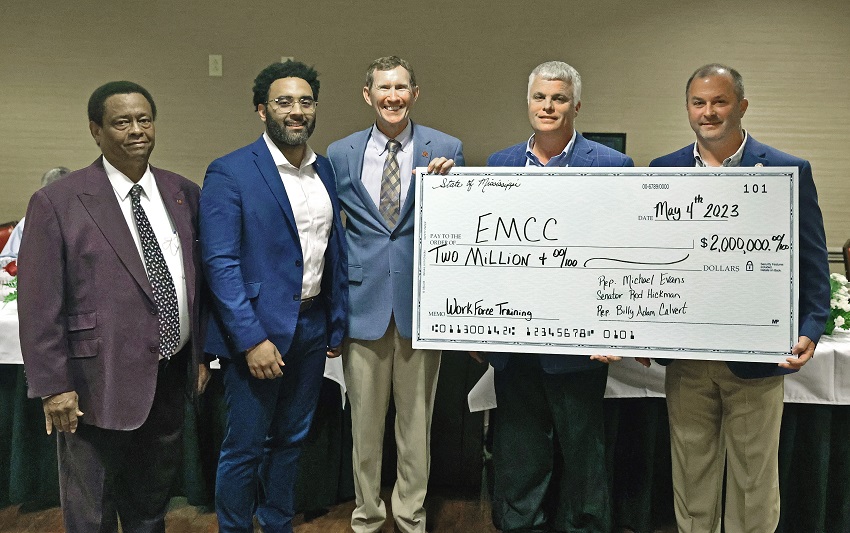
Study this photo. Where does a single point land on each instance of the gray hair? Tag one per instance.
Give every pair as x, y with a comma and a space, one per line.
54, 174
717, 69
557, 70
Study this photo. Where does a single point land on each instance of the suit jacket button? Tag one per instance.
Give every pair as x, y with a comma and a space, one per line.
392, 237
296, 296
153, 312
298, 262
154, 349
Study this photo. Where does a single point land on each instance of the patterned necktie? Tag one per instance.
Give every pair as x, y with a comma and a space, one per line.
391, 185
162, 283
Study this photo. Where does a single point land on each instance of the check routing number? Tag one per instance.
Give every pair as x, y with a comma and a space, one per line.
694, 263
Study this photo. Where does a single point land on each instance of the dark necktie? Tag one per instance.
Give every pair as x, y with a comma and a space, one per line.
391, 185
162, 283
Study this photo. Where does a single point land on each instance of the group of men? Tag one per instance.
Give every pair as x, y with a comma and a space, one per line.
120, 258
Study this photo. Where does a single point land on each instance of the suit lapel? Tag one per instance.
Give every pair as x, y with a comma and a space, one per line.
754, 154
518, 157
356, 153
582, 153
325, 173
268, 170
421, 157
685, 157
178, 209
99, 200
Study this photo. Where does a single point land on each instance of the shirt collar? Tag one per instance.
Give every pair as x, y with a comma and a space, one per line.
733, 160
281, 161
560, 160
379, 141
122, 184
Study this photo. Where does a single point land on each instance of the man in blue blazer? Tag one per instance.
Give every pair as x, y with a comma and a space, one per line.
374, 173
729, 414
272, 245
549, 400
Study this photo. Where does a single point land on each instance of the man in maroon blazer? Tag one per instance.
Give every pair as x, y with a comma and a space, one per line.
109, 305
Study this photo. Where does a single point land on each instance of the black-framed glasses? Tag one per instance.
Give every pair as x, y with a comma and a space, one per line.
285, 104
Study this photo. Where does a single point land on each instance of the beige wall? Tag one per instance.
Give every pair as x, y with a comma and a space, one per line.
471, 58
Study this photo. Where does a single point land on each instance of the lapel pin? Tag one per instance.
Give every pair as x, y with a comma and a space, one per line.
424, 154
180, 201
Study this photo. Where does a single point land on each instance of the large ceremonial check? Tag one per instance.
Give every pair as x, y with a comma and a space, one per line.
695, 263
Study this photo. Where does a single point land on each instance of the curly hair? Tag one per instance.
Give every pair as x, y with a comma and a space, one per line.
97, 100
276, 71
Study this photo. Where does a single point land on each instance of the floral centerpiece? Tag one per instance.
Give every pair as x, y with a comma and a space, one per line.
9, 282
839, 304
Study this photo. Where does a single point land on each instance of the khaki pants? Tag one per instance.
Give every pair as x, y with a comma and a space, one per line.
373, 371
717, 419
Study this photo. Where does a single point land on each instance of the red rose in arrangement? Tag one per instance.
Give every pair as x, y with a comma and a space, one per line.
12, 268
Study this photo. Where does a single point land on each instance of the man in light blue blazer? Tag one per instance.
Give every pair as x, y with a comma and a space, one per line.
727, 416
274, 253
374, 174
549, 400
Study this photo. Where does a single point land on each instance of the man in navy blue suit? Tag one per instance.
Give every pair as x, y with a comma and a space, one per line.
729, 414
548, 441
273, 248
374, 175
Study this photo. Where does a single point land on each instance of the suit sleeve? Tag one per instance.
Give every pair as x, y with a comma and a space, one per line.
41, 301
335, 274
814, 265
458, 157
221, 244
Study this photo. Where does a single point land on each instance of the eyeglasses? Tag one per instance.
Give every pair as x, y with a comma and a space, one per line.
286, 104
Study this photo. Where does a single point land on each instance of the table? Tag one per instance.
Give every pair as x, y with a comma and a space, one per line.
814, 450
814, 443
824, 380
10, 344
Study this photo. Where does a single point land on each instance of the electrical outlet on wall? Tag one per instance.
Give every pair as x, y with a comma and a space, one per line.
215, 65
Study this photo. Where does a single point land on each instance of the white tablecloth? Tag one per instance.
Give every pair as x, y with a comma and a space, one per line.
824, 380
10, 344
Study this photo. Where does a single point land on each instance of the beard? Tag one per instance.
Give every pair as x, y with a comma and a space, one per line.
280, 134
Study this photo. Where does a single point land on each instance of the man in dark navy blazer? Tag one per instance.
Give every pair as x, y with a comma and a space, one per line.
549, 400
273, 247
729, 414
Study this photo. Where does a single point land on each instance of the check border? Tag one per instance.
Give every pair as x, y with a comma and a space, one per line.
432, 340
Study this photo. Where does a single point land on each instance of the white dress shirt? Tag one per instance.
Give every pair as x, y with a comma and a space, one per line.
14, 243
163, 228
560, 160
375, 157
311, 206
